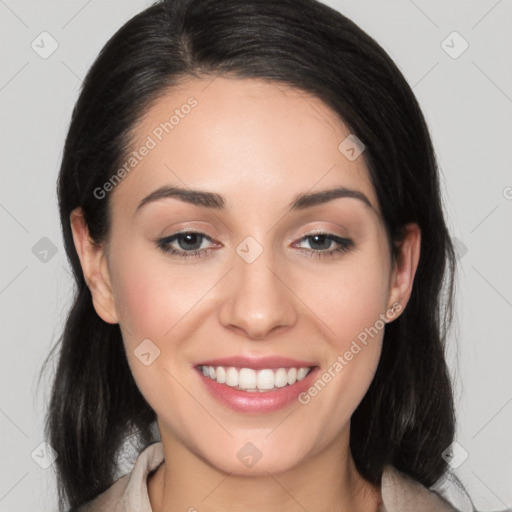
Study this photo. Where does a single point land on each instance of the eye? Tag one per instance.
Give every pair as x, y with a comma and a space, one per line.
189, 243
321, 241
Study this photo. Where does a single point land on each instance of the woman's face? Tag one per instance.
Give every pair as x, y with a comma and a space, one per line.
256, 280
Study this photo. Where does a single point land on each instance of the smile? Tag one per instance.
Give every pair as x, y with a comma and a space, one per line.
256, 385
251, 380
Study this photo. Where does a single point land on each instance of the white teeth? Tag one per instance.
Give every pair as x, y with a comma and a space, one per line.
292, 375
281, 378
221, 375
265, 379
301, 373
232, 377
247, 378
251, 380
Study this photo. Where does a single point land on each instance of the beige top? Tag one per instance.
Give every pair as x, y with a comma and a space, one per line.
130, 493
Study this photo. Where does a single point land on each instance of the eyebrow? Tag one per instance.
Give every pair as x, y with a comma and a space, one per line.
214, 200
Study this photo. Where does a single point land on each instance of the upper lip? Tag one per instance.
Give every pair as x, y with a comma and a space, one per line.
257, 363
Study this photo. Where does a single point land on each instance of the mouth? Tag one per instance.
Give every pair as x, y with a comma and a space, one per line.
255, 381
256, 385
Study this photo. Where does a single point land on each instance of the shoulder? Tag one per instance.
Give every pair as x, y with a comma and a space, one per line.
130, 492
109, 499
401, 492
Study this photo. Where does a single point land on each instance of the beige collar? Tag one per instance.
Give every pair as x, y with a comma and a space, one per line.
400, 493
130, 494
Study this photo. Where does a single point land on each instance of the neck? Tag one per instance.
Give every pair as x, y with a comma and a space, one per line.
327, 481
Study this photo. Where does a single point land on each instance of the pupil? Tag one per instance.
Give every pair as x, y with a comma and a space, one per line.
324, 241
191, 238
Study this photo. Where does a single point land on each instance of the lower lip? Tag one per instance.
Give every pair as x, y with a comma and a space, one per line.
257, 402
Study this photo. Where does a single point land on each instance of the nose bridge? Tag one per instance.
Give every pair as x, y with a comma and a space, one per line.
258, 300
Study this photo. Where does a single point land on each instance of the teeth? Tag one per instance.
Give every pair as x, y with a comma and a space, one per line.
281, 378
248, 379
301, 373
221, 375
265, 379
232, 377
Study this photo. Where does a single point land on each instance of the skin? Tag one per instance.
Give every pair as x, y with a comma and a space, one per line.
259, 145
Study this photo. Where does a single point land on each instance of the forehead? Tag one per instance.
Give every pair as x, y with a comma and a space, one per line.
254, 141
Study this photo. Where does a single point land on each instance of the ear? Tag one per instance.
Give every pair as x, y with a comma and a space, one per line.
405, 265
94, 266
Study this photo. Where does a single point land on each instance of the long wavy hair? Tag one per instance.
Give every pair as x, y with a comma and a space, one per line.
406, 418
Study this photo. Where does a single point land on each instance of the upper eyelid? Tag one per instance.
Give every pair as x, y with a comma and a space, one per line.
342, 230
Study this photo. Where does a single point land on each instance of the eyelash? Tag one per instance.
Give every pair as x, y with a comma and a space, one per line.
345, 244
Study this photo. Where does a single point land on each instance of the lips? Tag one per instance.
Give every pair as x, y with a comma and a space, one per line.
256, 385
258, 363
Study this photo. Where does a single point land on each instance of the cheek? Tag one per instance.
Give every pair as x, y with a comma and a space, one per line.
355, 343
151, 296
141, 298
351, 296
153, 302
353, 303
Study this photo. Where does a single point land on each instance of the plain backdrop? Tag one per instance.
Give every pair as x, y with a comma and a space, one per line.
463, 82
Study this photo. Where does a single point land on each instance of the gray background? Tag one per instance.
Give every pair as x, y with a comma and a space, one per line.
467, 102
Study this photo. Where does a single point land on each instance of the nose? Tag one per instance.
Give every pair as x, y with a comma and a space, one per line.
258, 301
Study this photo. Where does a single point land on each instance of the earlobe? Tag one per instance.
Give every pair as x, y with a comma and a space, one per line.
93, 261
405, 266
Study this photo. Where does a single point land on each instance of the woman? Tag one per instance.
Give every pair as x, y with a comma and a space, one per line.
250, 204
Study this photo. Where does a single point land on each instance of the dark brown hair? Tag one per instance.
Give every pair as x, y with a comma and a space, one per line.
406, 418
